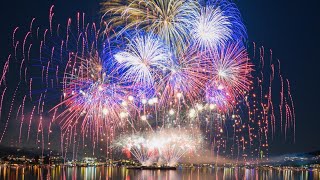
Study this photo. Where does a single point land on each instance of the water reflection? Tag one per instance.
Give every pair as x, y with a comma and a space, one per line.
88, 173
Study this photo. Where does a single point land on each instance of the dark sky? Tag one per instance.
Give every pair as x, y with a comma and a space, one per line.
290, 28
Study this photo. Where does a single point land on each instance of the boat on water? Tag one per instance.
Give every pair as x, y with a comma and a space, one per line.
153, 167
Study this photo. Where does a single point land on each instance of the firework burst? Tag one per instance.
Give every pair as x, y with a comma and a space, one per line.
90, 96
186, 79
167, 18
163, 147
228, 14
211, 28
143, 60
231, 68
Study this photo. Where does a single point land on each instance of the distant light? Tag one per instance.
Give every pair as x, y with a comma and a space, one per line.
105, 111
83, 93
150, 102
144, 101
220, 87
130, 98
212, 106
192, 113
200, 107
143, 118
171, 112
179, 95
155, 100
100, 88
124, 103
123, 114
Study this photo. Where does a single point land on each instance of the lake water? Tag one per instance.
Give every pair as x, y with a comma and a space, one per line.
121, 173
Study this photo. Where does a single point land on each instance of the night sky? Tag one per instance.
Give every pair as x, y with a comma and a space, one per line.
290, 28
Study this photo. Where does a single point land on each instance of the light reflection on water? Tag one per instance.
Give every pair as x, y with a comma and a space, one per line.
88, 173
